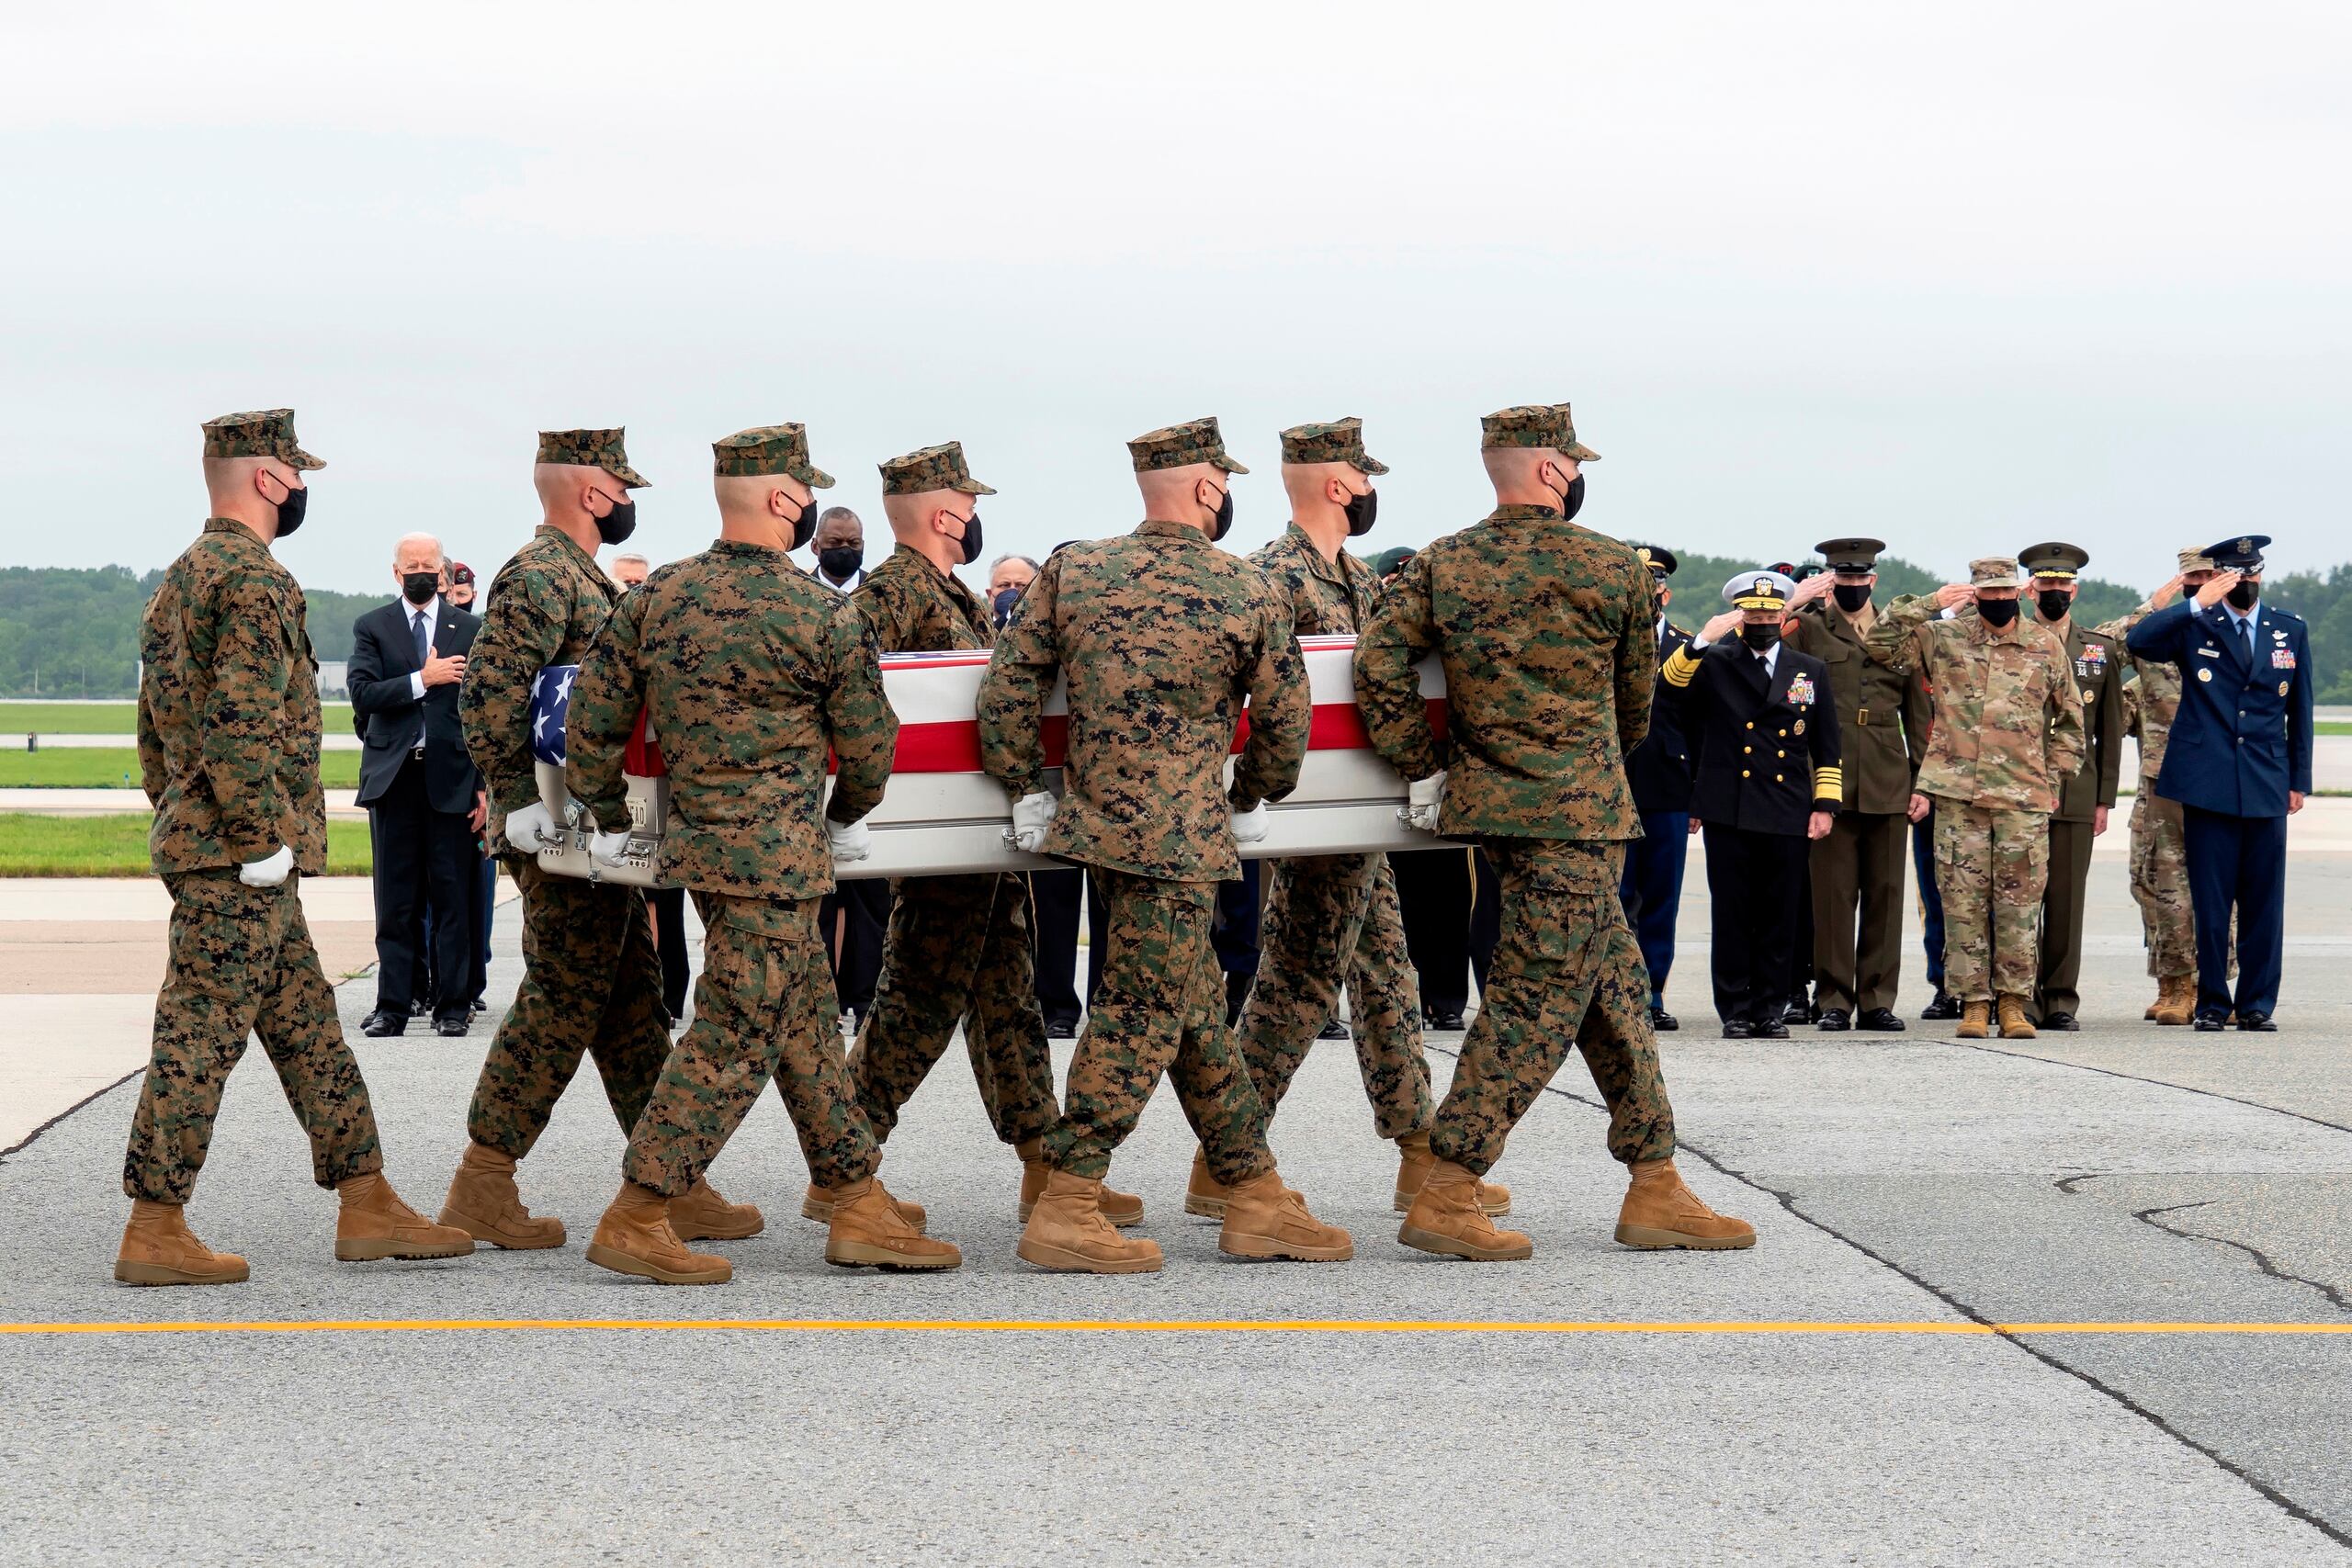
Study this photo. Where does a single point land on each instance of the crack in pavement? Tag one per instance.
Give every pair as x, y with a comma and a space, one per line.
2148, 1217
1788, 1202
2135, 1077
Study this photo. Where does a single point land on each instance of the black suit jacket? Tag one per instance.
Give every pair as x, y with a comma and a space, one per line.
1660, 768
383, 657
1768, 750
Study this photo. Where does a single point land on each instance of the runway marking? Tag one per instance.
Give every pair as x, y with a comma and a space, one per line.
1148, 1325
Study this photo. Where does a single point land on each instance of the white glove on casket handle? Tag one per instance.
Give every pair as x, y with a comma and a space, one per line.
1032, 814
531, 828
1422, 797
1250, 825
850, 841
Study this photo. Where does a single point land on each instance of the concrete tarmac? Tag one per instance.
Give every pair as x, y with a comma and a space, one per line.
1869, 1385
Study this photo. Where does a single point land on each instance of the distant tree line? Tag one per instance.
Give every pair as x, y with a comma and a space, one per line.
74, 631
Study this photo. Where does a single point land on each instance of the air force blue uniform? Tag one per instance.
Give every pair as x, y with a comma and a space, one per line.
2243, 740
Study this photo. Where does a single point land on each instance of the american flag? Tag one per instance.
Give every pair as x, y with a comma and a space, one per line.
550, 706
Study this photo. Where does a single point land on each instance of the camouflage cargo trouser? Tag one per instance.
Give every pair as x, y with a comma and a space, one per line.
1567, 968
763, 1008
241, 964
1160, 1010
958, 951
1333, 920
1992, 868
592, 986
2160, 885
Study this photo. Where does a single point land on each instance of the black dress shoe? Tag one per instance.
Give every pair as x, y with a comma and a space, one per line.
2061, 1020
481, 1005
1737, 1029
1944, 1006
419, 1008
1663, 1021
1062, 1026
1335, 1030
452, 1025
1443, 1021
1834, 1021
2257, 1022
2209, 1023
1881, 1019
384, 1022
1770, 1030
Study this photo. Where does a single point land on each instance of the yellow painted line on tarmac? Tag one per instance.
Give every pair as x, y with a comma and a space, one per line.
1144, 1326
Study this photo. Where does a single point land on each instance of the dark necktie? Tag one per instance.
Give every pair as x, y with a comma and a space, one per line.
2246, 635
423, 642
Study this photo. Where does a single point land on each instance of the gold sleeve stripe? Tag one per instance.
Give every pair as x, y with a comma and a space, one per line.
1829, 783
1680, 667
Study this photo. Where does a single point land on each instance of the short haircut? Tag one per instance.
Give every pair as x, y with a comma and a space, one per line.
832, 512
633, 557
1010, 555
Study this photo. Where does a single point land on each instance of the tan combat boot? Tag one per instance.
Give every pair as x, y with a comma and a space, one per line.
634, 1237
1660, 1211
159, 1250
2163, 995
1446, 1218
870, 1230
485, 1203
1975, 1021
818, 1202
1067, 1232
2013, 1025
1413, 1163
703, 1215
373, 1224
2178, 1004
1121, 1209
1265, 1219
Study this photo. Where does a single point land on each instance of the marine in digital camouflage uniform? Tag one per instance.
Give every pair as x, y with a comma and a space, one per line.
228, 757
2008, 732
1161, 634
1333, 921
958, 951
1547, 634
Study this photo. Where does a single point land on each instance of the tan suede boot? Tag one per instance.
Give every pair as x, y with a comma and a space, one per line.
817, 1204
703, 1215
1413, 1163
159, 1250
1446, 1219
1660, 1211
1067, 1233
2163, 995
2013, 1019
1121, 1209
870, 1230
373, 1224
2177, 1003
634, 1237
485, 1203
1265, 1219
1975, 1021
1203, 1193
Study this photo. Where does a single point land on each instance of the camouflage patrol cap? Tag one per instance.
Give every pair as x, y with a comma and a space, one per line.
1181, 445
591, 449
1536, 425
2054, 559
768, 449
264, 433
1850, 555
1759, 591
2196, 561
1993, 571
931, 467
1342, 441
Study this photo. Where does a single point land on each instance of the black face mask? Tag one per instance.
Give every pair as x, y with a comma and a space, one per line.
841, 562
1760, 638
419, 587
1851, 596
1997, 611
1361, 510
804, 527
2053, 605
617, 525
290, 511
1006, 598
972, 538
1224, 516
1572, 499
2245, 594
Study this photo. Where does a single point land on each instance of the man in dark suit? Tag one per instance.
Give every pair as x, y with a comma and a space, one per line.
2239, 761
1768, 783
1660, 770
424, 798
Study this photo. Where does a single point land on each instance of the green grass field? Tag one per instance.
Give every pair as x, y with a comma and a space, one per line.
107, 718
117, 846
106, 767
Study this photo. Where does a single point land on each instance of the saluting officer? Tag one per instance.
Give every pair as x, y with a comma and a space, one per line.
2087, 795
1768, 782
2240, 765
1660, 770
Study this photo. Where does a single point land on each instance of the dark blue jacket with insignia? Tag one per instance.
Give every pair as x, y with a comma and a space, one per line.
1660, 768
2242, 737
1767, 745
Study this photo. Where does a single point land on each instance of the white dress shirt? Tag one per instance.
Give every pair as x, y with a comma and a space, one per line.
431, 611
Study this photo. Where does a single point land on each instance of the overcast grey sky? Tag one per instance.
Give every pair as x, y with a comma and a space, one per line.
1960, 276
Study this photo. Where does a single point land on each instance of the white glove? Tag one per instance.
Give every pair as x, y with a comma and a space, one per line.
1250, 825
1032, 814
531, 829
269, 870
616, 849
851, 841
1421, 797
